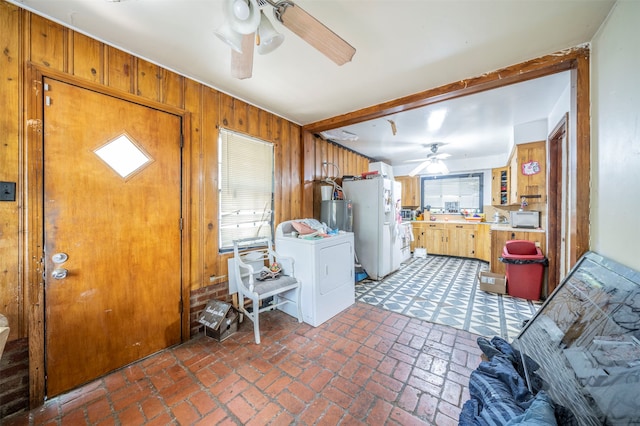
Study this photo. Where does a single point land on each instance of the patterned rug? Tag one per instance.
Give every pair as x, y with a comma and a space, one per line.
444, 290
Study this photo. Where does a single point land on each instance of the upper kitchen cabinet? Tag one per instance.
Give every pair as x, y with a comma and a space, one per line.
410, 191
500, 186
527, 173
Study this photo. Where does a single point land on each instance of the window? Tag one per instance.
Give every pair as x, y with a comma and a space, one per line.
452, 194
246, 185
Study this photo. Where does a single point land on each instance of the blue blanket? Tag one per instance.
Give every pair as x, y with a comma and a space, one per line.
499, 392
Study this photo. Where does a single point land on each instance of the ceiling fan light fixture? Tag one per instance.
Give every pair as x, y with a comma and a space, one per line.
268, 38
243, 16
437, 166
232, 38
313, 31
241, 9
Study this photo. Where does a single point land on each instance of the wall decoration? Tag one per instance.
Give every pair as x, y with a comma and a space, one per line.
531, 168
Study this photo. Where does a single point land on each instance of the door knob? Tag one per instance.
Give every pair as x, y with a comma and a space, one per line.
59, 257
59, 273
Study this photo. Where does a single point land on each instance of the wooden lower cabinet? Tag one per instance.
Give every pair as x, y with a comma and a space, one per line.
418, 235
437, 238
449, 239
461, 240
499, 238
483, 243
477, 241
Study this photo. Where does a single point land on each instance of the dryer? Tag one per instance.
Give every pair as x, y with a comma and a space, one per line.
325, 268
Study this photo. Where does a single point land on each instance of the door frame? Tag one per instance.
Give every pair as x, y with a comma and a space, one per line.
578, 173
33, 213
556, 177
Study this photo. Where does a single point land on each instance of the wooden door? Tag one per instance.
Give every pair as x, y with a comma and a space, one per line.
119, 231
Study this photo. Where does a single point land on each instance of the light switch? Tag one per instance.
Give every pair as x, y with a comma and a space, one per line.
7, 191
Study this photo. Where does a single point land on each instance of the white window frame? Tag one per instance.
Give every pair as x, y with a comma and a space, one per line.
440, 192
246, 184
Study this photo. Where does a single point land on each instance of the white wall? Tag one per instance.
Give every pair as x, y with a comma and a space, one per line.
615, 136
532, 131
559, 109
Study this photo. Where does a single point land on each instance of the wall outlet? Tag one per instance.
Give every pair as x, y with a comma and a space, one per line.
7, 191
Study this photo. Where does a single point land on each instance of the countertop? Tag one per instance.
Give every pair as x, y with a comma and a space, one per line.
495, 226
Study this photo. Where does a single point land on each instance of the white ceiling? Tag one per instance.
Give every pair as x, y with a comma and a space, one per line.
478, 131
402, 47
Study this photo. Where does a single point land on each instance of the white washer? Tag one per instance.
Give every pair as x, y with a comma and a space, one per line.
325, 268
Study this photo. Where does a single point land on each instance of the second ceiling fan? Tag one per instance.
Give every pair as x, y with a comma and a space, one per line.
247, 26
433, 162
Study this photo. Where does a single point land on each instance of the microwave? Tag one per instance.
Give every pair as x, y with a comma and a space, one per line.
525, 219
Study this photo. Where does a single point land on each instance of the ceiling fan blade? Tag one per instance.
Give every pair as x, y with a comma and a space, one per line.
314, 32
441, 156
420, 167
242, 63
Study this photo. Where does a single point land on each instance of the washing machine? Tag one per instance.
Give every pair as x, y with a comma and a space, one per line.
325, 268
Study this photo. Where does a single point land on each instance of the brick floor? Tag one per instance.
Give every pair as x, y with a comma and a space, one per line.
365, 366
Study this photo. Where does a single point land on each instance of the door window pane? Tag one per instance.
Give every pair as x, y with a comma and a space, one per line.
123, 155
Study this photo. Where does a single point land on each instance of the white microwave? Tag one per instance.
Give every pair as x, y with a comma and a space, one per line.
525, 219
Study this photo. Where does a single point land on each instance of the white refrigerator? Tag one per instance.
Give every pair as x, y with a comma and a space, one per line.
374, 225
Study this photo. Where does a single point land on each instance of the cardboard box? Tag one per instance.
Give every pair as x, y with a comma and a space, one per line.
220, 320
493, 283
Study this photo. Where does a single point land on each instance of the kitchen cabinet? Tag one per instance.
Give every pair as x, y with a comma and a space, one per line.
451, 239
418, 229
500, 237
500, 186
410, 191
436, 238
483, 242
461, 240
527, 173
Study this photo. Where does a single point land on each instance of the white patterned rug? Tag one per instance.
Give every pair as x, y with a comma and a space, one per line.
444, 290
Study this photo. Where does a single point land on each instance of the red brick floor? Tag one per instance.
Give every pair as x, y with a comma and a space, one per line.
365, 366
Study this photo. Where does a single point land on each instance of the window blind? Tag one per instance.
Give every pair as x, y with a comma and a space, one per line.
246, 185
452, 194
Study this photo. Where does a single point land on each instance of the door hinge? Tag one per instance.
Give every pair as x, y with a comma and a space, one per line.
181, 306
181, 140
47, 99
180, 224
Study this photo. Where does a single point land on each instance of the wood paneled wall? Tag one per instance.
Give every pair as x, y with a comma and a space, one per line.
28, 38
316, 152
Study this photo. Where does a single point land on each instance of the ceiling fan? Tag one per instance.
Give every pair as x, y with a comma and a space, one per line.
247, 26
433, 162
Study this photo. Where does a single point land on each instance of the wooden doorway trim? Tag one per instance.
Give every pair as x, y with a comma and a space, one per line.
575, 60
33, 213
555, 172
